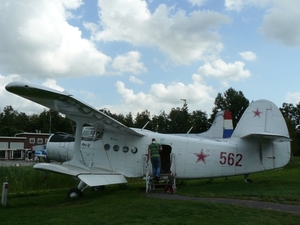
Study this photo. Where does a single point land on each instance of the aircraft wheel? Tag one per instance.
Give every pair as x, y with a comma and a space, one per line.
248, 181
74, 193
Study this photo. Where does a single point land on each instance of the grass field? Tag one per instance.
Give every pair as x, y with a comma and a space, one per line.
34, 200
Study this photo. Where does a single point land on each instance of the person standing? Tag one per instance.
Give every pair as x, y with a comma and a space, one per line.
153, 153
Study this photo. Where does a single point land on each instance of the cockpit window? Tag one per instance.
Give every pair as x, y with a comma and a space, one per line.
90, 133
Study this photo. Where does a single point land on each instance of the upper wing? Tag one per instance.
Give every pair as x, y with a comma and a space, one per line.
65, 103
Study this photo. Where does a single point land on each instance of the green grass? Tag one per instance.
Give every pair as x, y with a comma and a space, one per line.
26, 179
41, 201
280, 186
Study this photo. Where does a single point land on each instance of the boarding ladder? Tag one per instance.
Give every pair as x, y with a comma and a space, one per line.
151, 184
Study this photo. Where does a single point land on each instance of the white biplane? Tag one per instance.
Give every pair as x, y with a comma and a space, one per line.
106, 151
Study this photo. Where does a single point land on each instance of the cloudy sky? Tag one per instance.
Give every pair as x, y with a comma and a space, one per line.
132, 55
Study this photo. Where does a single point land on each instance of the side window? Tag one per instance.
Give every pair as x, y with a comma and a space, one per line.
3, 144
125, 149
106, 147
32, 140
40, 140
134, 150
116, 148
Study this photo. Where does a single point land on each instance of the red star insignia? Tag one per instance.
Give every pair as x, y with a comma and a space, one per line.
201, 156
257, 113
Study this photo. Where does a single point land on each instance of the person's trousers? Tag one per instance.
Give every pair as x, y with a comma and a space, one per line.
156, 164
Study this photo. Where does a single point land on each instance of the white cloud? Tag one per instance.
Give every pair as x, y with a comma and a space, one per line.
250, 56
293, 98
18, 103
234, 4
133, 79
221, 70
238, 5
197, 2
38, 37
164, 97
129, 63
281, 23
50, 83
183, 38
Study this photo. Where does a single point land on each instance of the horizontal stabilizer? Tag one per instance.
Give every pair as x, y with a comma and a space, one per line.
267, 136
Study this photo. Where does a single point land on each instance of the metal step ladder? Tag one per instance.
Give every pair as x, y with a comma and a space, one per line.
153, 185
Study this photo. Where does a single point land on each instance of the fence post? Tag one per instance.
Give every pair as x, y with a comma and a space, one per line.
4, 193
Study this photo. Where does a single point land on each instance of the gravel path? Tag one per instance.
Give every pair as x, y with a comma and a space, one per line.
16, 163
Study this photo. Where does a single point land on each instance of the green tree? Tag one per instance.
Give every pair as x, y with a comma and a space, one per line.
119, 117
142, 119
199, 121
160, 123
294, 135
22, 122
291, 114
232, 100
178, 119
128, 120
9, 125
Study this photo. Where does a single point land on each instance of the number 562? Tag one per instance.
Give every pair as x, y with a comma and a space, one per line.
230, 159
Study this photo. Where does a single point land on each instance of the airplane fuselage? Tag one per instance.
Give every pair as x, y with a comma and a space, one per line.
187, 157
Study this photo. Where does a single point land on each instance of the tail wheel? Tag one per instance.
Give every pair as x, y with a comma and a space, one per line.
74, 193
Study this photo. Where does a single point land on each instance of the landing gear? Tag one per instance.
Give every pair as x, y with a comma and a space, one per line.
248, 180
77, 192
74, 193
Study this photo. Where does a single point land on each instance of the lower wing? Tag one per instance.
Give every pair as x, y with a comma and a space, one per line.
92, 177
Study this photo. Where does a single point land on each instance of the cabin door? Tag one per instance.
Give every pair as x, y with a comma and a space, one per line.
165, 158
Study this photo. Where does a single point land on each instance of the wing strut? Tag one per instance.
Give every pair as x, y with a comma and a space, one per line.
75, 161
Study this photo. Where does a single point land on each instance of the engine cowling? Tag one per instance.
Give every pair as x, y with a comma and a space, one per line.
60, 147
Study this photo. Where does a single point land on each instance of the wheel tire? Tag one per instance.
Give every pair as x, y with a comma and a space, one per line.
74, 193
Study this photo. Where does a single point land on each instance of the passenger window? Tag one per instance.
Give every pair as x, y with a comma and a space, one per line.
125, 149
106, 147
116, 148
134, 150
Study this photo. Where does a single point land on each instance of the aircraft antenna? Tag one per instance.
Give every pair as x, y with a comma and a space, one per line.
189, 131
145, 125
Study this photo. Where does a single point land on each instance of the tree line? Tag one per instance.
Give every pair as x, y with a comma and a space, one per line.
178, 120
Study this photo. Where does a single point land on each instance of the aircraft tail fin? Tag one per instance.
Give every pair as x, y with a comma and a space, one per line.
228, 127
222, 126
262, 119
